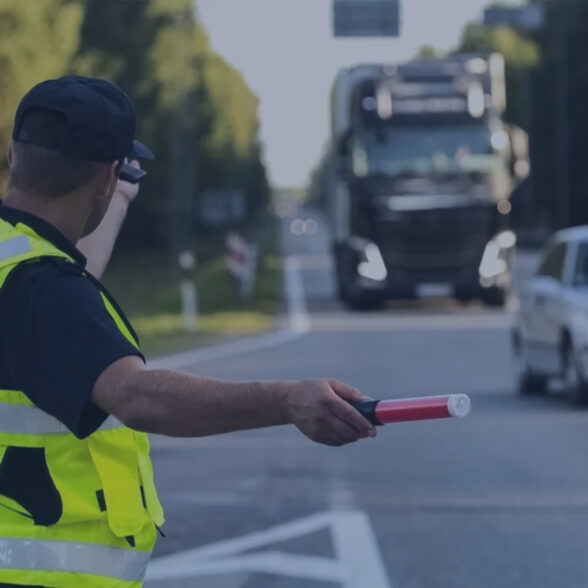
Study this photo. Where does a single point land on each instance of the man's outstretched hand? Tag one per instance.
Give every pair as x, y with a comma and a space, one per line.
321, 410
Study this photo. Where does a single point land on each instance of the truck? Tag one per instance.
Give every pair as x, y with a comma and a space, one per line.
421, 170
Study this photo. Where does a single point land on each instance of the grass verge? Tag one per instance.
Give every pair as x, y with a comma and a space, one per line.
149, 294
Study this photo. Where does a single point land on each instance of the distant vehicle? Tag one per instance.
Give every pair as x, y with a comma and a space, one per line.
422, 169
550, 338
301, 227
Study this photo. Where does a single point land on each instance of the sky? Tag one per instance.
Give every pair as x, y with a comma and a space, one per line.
288, 56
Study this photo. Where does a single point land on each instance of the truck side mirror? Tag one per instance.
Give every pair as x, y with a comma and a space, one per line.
343, 162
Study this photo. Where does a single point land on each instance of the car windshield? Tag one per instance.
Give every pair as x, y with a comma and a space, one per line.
440, 148
581, 269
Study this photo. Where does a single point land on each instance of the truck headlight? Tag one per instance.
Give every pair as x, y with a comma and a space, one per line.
492, 263
372, 264
506, 239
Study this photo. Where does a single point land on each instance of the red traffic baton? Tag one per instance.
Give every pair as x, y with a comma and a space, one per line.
381, 412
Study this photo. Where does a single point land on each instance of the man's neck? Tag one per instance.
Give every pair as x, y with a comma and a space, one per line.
61, 212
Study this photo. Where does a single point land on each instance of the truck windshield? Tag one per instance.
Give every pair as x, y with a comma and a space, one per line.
441, 148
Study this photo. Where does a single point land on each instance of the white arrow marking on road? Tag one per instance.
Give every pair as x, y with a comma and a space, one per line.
358, 563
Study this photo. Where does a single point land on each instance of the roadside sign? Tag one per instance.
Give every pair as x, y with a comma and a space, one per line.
366, 18
526, 18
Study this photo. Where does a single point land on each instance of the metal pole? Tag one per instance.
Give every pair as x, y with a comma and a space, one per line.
562, 131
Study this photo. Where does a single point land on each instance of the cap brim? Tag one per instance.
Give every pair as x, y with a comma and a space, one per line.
131, 174
140, 151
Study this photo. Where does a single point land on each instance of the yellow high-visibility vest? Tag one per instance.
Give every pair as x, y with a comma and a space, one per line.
96, 523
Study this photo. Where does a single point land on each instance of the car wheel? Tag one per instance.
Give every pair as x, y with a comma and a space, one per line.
572, 375
527, 383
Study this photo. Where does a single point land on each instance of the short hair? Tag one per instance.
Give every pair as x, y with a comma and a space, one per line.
44, 171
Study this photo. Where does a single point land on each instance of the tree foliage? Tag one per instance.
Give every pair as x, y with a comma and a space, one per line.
548, 92
194, 110
521, 56
37, 41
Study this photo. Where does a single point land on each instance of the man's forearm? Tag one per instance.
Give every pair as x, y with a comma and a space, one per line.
98, 246
180, 405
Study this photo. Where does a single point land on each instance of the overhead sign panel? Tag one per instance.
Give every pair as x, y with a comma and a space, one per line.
527, 18
366, 18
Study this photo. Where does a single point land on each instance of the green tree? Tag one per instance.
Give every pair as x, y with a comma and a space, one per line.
429, 52
37, 41
521, 56
194, 109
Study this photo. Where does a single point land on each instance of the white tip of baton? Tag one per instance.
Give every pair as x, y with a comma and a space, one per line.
459, 405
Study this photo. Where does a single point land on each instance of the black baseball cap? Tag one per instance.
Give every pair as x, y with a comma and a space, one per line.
100, 117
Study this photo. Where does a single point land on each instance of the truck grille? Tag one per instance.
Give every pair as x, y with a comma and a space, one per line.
444, 245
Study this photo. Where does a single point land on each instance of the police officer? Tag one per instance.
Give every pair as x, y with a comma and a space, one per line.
78, 505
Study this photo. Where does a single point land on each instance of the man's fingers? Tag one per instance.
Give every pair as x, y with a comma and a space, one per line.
353, 418
333, 441
345, 430
346, 392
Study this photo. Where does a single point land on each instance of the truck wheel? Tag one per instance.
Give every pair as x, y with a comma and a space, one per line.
356, 299
494, 298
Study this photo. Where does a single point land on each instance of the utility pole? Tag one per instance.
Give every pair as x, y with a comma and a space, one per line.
562, 129
182, 191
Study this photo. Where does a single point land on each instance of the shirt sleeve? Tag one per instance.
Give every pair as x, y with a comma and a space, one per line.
57, 338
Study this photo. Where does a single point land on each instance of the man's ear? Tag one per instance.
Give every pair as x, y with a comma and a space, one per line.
109, 177
113, 173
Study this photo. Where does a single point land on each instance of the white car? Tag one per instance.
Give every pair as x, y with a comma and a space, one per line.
550, 337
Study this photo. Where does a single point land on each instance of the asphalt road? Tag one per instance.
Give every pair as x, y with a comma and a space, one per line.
499, 499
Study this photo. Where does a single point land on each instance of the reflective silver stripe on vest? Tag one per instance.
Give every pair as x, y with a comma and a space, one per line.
25, 419
15, 246
69, 556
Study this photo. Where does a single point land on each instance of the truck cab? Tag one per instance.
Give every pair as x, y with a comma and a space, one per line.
423, 168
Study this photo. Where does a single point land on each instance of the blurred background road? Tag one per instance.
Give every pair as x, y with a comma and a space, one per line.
497, 499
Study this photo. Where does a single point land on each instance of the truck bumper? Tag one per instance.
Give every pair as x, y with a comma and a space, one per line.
393, 275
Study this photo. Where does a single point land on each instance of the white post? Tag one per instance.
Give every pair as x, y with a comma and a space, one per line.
250, 271
188, 292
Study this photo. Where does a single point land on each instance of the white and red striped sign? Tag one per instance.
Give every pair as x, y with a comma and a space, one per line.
242, 262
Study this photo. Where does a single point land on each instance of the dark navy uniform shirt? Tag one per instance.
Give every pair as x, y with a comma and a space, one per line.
56, 336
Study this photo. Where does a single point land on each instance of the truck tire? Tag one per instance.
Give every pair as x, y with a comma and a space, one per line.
359, 301
494, 297
354, 297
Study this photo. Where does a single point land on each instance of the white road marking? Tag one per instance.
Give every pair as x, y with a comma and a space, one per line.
298, 325
358, 562
230, 547
268, 562
357, 550
299, 318
354, 540
422, 322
